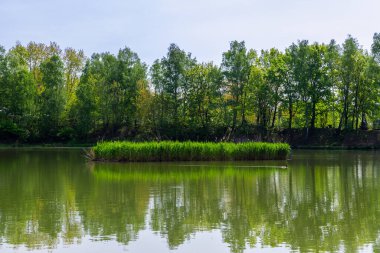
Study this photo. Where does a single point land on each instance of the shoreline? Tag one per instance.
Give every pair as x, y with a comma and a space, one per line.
328, 139
88, 146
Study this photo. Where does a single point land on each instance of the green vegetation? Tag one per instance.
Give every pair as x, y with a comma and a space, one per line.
53, 95
188, 151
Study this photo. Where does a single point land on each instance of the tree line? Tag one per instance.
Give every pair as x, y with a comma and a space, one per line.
50, 94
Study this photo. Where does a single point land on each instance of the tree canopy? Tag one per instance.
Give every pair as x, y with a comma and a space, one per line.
50, 94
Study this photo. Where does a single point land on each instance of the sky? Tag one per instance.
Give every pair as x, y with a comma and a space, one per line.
203, 27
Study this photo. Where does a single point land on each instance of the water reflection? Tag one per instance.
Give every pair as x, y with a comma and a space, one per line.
323, 201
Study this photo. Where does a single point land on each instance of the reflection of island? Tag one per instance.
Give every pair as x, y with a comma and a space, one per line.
323, 203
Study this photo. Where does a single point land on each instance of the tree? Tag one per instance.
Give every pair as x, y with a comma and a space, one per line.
258, 93
290, 93
236, 68
108, 92
319, 81
203, 98
297, 54
333, 61
375, 48
347, 71
368, 92
36, 54
46, 93
74, 61
52, 97
132, 78
16, 96
84, 108
310, 69
168, 77
159, 108
275, 70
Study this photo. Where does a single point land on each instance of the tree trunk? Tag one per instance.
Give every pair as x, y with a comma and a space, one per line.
274, 116
234, 119
243, 121
290, 114
345, 110
363, 124
356, 111
312, 122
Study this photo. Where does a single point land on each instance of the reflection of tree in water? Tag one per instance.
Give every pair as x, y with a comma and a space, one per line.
334, 202
109, 207
181, 209
321, 203
46, 198
254, 209
33, 208
315, 205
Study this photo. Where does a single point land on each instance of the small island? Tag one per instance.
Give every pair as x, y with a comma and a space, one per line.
124, 151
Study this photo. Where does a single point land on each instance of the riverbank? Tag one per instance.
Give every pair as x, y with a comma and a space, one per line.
330, 139
297, 138
187, 151
46, 145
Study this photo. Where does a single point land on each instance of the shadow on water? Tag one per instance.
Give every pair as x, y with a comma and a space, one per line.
322, 201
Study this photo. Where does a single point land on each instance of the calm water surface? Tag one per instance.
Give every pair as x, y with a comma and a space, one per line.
51, 200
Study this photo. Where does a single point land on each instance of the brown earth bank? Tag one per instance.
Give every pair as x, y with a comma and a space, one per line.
327, 138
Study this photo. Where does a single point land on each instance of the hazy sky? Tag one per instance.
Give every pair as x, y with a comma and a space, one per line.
203, 27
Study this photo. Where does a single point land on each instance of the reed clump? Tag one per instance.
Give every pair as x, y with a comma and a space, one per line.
124, 151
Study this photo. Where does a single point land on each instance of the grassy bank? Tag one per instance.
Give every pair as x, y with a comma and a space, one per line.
188, 151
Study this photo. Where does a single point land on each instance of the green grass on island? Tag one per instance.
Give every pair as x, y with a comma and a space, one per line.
124, 151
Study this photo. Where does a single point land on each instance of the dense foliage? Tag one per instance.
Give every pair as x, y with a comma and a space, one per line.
189, 151
49, 94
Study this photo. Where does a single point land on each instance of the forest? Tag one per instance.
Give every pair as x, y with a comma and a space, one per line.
49, 94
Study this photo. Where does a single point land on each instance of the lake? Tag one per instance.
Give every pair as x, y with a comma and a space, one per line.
52, 200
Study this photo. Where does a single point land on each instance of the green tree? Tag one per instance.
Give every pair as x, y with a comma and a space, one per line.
333, 61
275, 70
347, 72
52, 97
204, 98
17, 96
168, 77
375, 48
290, 94
374, 73
131, 76
310, 71
320, 85
258, 93
108, 92
299, 68
84, 109
236, 68
368, 93
74, 61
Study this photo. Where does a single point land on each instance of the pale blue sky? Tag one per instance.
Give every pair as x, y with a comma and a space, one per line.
203, 27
